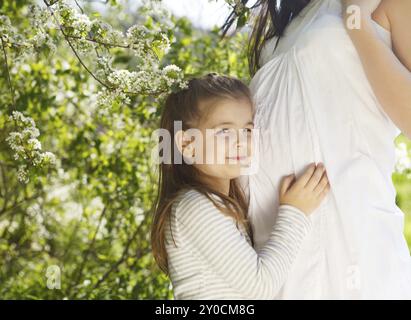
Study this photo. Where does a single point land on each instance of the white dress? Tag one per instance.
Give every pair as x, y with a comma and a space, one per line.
314, 104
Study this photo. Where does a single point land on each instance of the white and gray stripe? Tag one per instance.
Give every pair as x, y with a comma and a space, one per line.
215, 260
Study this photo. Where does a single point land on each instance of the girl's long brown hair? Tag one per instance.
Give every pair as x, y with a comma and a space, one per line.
184, 106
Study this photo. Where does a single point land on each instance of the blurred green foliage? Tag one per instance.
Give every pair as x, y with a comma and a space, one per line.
90, 216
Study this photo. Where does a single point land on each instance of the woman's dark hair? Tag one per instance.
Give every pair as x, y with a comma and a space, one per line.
270, 19
184, 106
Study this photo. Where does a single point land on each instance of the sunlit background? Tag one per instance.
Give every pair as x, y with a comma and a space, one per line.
76, 182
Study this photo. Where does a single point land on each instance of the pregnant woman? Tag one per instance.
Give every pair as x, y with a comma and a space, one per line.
316, 103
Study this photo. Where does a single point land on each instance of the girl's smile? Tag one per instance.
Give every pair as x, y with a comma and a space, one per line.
239, 158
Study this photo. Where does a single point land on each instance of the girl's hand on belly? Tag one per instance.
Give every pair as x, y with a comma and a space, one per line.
307, 192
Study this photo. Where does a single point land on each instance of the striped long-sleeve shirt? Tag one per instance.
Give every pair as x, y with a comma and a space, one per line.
210, 258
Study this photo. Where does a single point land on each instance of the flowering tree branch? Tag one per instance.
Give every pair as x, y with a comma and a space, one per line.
73, 49
147, 81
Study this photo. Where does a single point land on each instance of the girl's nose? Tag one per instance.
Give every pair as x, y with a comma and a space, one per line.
242, 141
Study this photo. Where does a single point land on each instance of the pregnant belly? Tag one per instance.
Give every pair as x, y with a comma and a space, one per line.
315, 105
356, 228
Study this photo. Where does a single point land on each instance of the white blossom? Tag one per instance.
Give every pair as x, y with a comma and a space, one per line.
22, 174
26, 146
403, 158
81, 24
34, 144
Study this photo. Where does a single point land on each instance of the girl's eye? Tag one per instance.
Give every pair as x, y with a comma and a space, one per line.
229, 131
247, 130
223, 131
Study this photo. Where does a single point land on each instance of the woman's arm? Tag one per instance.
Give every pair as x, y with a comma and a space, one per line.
389, 73
398, 13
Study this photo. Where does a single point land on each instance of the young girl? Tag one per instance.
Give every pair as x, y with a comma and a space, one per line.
201, 235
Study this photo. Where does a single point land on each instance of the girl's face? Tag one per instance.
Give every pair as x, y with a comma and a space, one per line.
227, 139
